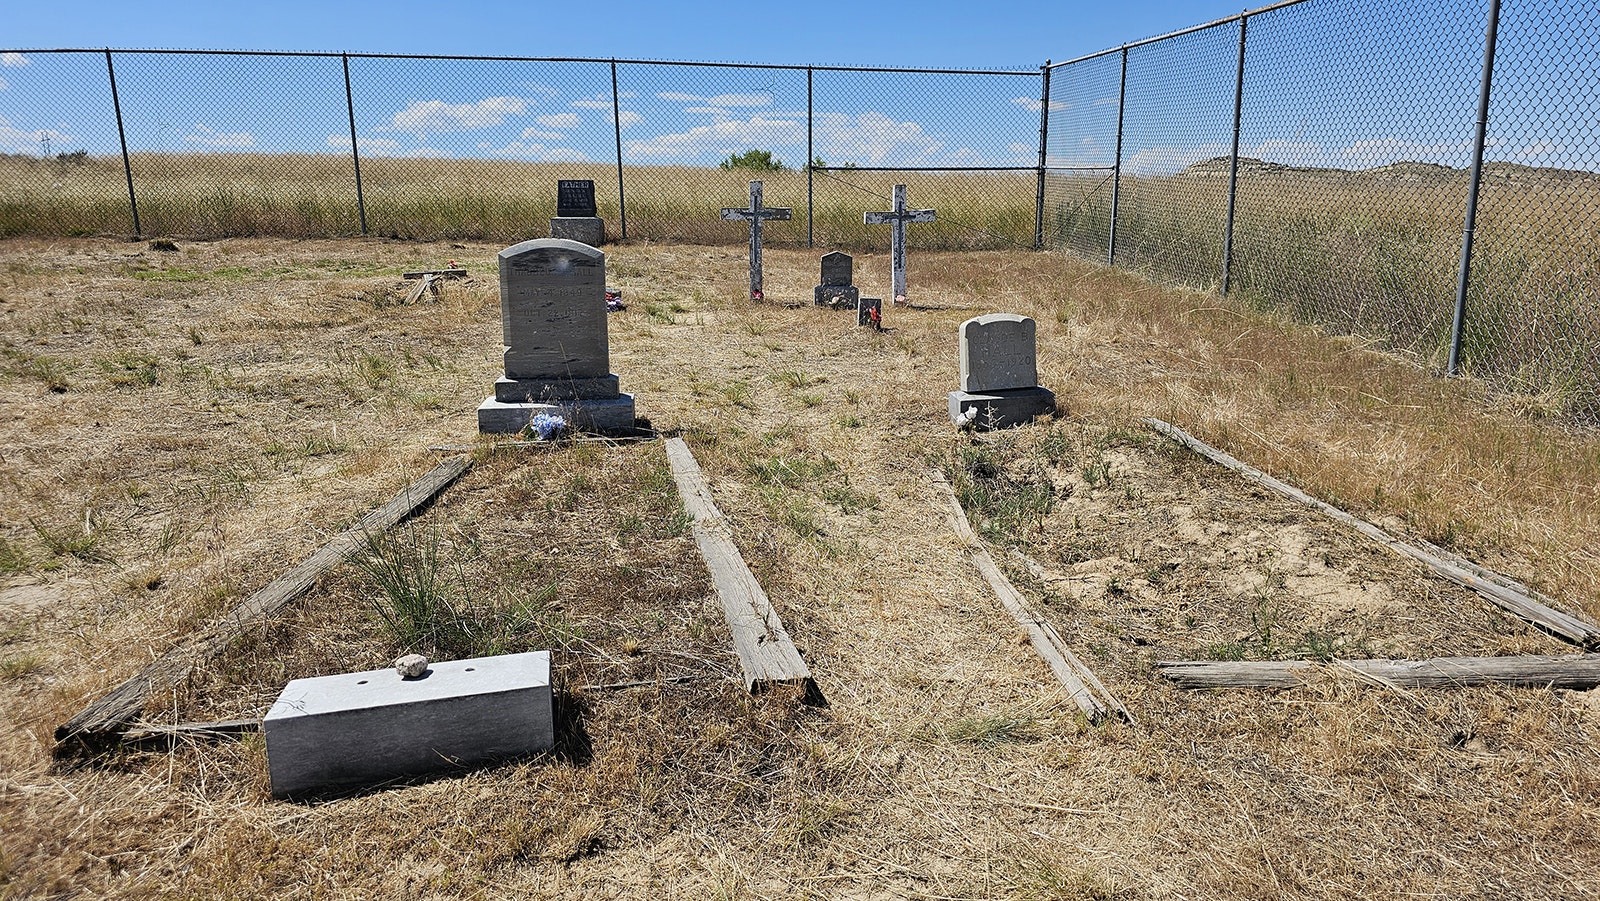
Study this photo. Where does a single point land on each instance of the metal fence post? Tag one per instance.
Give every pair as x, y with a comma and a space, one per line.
1044, 137
350, 108
1233, 164
1116, 165
810, 158
616, 120
1460, 321
122, 136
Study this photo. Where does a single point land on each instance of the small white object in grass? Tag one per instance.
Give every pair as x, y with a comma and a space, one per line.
411, 666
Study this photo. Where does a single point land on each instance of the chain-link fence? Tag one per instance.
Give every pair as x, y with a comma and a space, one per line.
212, 144
1322, 158
1418, 172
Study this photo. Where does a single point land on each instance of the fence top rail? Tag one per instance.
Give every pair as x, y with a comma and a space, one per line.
1228, 20
325, 54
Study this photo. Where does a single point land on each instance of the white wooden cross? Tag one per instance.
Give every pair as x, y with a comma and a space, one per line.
898, 217
756, 214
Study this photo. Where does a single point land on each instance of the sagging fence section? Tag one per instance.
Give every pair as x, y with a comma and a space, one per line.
1419, 173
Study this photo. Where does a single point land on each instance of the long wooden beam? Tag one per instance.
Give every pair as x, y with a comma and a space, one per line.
1575, 671
1087, 691
1502, 591
104, 720
766, 653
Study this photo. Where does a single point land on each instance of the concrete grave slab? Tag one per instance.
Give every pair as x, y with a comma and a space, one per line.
352, 730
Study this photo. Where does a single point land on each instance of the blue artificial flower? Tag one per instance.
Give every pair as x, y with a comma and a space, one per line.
546, 426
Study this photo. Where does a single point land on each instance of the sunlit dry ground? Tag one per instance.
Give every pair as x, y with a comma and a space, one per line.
181, 426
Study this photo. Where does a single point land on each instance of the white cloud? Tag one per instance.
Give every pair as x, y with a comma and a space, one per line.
1539, 150
708, 110
1289, 153
677, 97
540, 153
740, 100
3, 84
534, 134
424, 117
629, 117
1032, 104
1167, 160
14, 140
205, 136
873, 139
719, 139
13, 60
559, 120
591, 104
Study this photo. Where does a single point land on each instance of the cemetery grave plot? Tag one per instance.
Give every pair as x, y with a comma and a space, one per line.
948, 764
1143, 551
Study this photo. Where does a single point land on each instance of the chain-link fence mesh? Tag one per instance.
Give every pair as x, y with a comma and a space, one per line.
1533, 309
61, 167
1356, 141
1355, 135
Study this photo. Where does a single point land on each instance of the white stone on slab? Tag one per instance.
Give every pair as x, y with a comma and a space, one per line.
411, 666
354, 730
998, 352
985, 410
607, 414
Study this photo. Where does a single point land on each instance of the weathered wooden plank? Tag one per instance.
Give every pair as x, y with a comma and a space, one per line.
1085, 689
436, 273
1579, 671
766, 653
1502, 591
104, 719
219, 729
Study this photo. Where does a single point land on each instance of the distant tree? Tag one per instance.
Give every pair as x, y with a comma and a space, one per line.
758, 160
819, 163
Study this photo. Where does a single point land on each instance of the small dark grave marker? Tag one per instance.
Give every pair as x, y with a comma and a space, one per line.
869, 312
837, 289
575, 197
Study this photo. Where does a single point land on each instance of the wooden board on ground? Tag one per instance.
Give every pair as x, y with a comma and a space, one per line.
1576, 671
766, 653
104, 720
1087, 691
1502, 591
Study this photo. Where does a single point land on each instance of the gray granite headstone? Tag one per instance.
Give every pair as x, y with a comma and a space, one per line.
553, 323
999, 373
838, 288
576, 217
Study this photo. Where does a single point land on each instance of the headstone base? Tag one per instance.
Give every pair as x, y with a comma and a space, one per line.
590, 230
360, 729
840, 297
1001, 409
516, 391
610, 414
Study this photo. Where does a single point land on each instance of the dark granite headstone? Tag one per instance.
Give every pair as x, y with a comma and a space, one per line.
575, 197
838, 269
837, 289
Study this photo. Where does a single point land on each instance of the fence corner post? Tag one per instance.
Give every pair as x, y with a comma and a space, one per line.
1459, 321
616, 121
1233, 161
1044, 139
1116, 163
810, 159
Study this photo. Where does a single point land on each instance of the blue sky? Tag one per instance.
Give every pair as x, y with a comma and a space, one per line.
1342, 83
887, 32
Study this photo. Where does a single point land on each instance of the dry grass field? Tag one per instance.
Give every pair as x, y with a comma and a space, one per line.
182, 426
